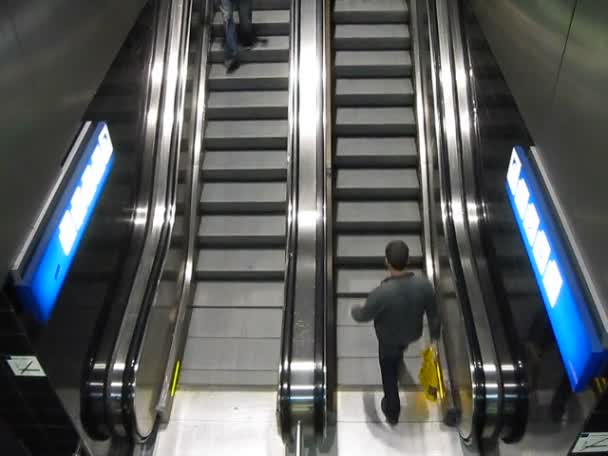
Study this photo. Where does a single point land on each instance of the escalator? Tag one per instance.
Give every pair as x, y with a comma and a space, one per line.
240, 244
402, 170
377, 195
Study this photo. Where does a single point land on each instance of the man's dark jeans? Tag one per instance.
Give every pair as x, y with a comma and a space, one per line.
391, 362
245, 32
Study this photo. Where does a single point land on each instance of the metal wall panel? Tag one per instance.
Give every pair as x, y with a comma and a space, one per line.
575, 144
528, 38
53, 56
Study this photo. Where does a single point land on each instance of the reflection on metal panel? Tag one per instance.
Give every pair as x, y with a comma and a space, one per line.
54, 55
527, 38
574, 152
577, 338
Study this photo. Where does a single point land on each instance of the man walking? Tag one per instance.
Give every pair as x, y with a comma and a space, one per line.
397, 307
245, 34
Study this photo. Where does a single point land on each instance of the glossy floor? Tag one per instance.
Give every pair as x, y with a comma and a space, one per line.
220, 422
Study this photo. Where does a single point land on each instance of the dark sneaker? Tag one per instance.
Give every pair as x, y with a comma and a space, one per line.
232, 65
249, 45
390, 420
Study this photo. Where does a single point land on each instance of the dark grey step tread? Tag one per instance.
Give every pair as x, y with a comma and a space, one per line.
374, 92
365, 372
271, 49
246, 129
231, 354
376, 151
377, 180
245, 104
234, 378
360, 281
247, 323
371, 36
359, 248
361, 342
376, 116
370, 11
266, 22
363, 64
241, 260
256, 76
243, 192
242, 231
270, 4
377, 216
239, 294
244, 160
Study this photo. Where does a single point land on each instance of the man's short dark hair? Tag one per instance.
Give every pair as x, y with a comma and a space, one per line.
397, 254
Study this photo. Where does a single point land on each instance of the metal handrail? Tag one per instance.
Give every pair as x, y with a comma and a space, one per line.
513, 379
283, 386
330, 350
193, 184
459, 221
424, 123
95, 377
123, 367
301, 398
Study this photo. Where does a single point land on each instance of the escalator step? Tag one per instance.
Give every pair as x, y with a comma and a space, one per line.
368, 152
378, 217
244, 165
374, 92
242, 105
273, 49
371, 36
242, 230
248, 323
250, 76
370, 12
252, 263
240, 198
239, 294
266, 22
375, 121
246, 134
240, 355
363, 184
370, 64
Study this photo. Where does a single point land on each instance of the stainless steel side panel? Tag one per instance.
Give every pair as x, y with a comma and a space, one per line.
573, 148
528, 38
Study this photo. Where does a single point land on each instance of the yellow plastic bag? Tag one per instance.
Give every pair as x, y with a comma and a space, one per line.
430, 375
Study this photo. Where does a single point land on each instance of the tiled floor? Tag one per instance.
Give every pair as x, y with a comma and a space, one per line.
236, 422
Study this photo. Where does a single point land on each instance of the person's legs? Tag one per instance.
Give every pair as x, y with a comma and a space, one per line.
231, 45
247, 35
390, 359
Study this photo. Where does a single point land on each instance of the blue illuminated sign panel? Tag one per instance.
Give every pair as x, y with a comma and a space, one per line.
48, 268
581, 350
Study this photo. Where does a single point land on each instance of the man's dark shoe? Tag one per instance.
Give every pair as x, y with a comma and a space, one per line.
232, 65
390, 420
249, 45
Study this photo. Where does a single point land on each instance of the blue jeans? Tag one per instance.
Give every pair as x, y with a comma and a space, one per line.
245, 32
